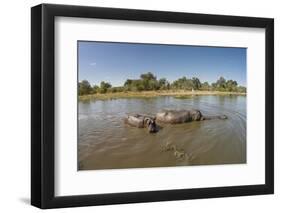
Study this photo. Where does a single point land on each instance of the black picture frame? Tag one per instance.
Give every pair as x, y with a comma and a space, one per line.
43, 105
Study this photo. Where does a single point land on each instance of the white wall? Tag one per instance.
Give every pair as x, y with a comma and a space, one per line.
15, 105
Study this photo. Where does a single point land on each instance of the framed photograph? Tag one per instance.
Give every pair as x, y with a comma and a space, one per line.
139, 106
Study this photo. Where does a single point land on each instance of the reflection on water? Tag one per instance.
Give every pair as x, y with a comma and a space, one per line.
105, 142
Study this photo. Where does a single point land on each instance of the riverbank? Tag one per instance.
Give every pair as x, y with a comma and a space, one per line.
150, 94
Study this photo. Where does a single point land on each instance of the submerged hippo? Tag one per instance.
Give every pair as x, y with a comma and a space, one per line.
142, 121
183, 116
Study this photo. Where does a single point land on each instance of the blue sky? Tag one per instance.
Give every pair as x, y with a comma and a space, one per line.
116, 62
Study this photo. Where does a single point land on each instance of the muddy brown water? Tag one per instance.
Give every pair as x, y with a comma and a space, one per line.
105, 142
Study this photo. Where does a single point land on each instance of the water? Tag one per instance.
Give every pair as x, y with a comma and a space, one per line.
105, 142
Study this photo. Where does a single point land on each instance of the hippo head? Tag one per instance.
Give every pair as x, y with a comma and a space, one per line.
151, 125
196, 115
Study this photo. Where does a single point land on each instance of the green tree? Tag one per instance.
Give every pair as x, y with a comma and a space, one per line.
104, 86
196, 83
221, 83
84, 87
148, 76
183, 83
149, 81
231, 86
95, 89
137, 85
163, 84
214, 86
134, 85
205, 86
116, 89
241, 89
128, 84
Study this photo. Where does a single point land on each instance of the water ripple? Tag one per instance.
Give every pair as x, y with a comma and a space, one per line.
106, 142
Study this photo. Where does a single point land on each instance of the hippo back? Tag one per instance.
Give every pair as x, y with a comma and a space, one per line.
135, 120
178, 116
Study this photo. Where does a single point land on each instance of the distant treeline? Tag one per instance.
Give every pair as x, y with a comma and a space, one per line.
149, 82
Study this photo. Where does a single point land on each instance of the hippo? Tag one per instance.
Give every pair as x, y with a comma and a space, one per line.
142, 121
183, 116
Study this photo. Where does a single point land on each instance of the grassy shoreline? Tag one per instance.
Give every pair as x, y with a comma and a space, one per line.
150, 94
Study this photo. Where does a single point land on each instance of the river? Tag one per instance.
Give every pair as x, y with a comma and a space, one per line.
105, 142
